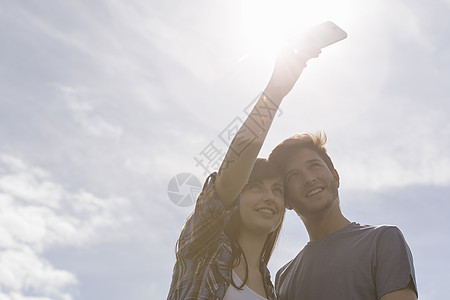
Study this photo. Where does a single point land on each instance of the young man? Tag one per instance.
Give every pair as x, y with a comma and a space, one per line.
343, 259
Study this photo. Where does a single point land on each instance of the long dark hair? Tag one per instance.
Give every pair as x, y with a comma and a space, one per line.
263, 169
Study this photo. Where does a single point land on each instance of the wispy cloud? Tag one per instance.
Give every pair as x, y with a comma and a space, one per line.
85, 115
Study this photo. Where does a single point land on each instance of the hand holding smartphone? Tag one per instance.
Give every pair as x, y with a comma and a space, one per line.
321, 35
290, 64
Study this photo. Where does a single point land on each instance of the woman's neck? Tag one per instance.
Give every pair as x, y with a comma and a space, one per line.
252, 245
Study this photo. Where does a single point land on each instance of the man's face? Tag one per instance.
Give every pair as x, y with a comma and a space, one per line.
311, 188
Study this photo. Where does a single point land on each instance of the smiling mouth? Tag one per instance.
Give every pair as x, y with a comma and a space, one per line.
314, 192
266, 211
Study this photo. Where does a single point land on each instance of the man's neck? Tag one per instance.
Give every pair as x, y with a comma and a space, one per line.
322, 225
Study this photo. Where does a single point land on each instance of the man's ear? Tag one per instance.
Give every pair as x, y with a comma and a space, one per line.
336, 177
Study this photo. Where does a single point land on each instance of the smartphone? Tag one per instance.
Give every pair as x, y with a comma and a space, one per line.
322, 35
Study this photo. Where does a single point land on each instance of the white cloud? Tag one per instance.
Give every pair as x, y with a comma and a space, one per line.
23, 270
29, 184
37, 213
17, 296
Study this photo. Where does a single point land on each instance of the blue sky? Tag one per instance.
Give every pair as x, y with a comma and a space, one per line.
104, 102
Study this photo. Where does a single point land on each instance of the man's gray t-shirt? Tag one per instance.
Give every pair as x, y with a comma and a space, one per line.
357, 262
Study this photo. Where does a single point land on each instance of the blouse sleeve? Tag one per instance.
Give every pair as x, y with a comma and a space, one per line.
205, 227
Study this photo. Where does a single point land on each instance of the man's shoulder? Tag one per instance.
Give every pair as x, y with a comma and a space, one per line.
370, 233
372, 228
289, 266
284, 268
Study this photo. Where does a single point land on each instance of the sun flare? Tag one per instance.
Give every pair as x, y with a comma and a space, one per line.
267, 25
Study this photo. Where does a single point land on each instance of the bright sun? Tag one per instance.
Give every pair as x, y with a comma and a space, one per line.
268, 24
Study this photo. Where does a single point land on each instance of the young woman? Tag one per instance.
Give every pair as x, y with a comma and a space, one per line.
225, 246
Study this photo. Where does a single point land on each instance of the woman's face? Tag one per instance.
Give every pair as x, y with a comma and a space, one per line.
262, 205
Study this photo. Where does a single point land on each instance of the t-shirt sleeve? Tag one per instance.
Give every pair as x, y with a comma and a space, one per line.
394, 266
204, 228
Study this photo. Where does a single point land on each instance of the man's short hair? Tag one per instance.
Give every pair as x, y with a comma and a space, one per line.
289, 147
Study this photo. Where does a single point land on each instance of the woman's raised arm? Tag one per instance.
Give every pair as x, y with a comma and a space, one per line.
241, 155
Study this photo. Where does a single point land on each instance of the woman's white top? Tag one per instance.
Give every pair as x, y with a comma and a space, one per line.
245, 294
